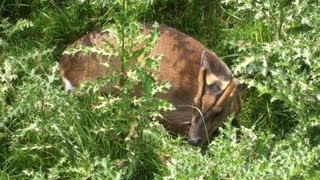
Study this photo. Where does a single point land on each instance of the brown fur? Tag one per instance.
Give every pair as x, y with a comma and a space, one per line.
180, 65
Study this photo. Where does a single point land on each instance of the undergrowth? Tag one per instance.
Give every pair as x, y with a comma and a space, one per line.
46, 133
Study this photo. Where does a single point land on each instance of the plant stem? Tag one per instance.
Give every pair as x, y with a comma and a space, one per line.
123, 79
281, 18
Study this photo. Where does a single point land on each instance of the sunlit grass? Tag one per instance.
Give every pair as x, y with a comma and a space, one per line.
47, 133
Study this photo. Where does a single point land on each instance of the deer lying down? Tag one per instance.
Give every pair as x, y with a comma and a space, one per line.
197, 76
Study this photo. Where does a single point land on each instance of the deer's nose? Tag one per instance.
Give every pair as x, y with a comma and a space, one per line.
194, 141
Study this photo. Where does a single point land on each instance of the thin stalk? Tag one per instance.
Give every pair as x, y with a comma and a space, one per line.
123, 79
281, 18
202, 118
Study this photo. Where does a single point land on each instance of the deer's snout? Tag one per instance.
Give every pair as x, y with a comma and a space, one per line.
195, 141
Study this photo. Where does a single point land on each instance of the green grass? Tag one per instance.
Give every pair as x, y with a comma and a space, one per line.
47, 133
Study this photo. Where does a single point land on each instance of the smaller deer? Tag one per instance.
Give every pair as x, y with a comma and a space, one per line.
198, 78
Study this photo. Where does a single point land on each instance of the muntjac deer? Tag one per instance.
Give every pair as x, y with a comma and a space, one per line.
198, 78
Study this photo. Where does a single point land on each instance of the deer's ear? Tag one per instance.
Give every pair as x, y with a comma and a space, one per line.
204, 61
210, 78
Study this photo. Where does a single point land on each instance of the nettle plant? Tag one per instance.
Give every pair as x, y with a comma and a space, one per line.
277, 50
131, 89
127, 100
8, 71
47, 133
282, 59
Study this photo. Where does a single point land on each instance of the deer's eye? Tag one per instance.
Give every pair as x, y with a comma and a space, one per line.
213, 89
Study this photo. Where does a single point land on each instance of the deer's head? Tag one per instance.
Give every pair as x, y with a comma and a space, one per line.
213, 102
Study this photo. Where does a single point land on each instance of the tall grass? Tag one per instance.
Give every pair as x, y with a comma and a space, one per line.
46, 133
